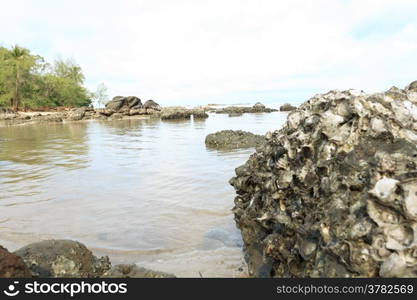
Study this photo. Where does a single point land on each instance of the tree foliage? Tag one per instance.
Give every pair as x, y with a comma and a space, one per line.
27, 81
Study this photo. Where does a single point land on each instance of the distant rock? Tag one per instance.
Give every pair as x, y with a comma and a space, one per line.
12, 266
151, 104
233, 139
62, 258
257, 108
124, 104
178, 113
287, 107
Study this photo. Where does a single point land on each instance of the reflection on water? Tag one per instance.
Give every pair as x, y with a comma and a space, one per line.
142, 191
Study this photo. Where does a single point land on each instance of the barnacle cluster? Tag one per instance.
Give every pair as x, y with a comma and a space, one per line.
334, 192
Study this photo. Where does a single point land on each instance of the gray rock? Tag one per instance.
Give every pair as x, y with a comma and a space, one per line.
259, 106
334, 192
151, 104
233, 139
76, 114
124, 104
177, 113
287, 107
62, 258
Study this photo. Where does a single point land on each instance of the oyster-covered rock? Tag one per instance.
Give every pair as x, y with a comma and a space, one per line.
334, 192
62, 258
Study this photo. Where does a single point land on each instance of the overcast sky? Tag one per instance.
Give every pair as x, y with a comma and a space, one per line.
209, 51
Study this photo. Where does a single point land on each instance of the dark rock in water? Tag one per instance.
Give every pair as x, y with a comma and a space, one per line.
124, 104
133, 271
287, 107
116, 116
62, 258
257, 108
151, 104
259, 105
177, 113
235, 114
12, 266
199, 113
233, 139
334, 192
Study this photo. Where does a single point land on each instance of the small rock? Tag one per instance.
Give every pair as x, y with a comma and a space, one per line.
233, 139
62, 258
287, 107
12, 266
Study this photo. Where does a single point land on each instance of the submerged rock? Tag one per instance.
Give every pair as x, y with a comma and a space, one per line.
233, 139
133, 271
62, 258
287, 107
12, 266
334, 192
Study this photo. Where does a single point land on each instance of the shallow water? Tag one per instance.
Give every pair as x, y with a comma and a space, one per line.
143, 191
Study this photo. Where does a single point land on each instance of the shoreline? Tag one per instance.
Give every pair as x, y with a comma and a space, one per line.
9, 118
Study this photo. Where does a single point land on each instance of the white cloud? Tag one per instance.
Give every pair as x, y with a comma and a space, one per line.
205, 51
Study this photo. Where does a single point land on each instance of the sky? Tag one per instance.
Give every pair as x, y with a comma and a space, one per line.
209, 51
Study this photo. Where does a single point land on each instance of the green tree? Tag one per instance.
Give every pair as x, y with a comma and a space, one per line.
27, 80
17, 66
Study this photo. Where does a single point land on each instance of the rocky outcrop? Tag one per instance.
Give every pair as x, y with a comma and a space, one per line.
233, 139
334, 192
287, 107
12, 266
178, 113
124, 104
62, 258
133, 271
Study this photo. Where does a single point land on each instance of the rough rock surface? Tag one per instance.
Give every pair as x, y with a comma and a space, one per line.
287, 107
233, 139
62, 258
334, 192
12, 266
133, 271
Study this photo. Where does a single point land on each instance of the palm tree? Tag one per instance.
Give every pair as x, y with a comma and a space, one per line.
18, 60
